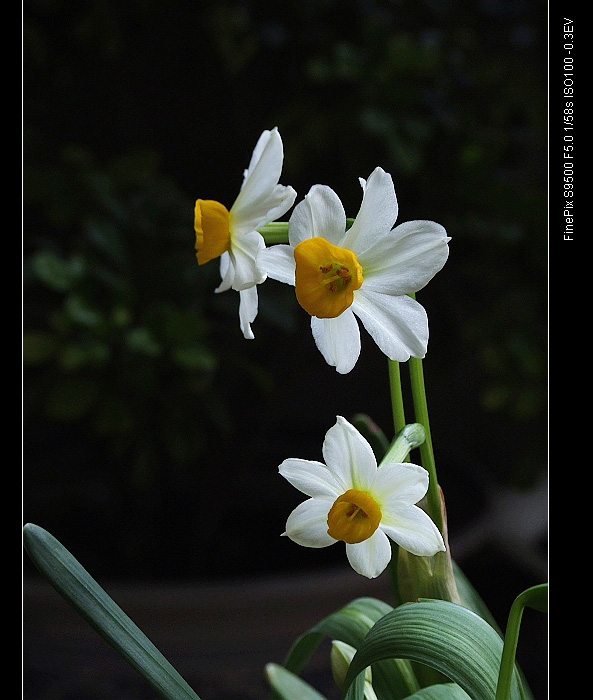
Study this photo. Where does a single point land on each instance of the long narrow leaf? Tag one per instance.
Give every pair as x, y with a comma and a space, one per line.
82, 592
288, 686
442, 635
393, 679
442, 691
471, 599
535, 597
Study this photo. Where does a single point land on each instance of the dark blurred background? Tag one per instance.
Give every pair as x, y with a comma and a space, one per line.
152, 428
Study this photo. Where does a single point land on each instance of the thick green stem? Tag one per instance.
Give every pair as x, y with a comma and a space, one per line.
426, 451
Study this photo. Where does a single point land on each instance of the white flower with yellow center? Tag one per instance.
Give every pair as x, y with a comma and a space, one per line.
367, 271
353, 500
232, 234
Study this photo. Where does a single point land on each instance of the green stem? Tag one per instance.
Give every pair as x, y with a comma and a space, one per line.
399, 423
275, 232
397, 402
426, 451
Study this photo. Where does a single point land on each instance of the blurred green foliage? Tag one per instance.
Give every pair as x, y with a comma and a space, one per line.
134, 370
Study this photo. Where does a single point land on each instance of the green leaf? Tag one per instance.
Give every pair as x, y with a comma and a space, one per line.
140, 340
83, 593
471, 599
288, 686
57, 273
393, 679
38, 347
442, 635
79, 310
195, 357
535, 597
441, 691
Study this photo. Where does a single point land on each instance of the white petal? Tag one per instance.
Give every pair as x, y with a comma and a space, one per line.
255, 214
227, 273
247, 310
349, 457
406, 259
261, 199
243, 253
338, 340
412, 529
321, 213
399, 325
270, 140
277, 262
307, 524
376, 215
264, 169
312, 478
405, 482
371, 557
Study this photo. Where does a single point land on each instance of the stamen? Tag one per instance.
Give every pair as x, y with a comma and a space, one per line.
326, 277
354, 517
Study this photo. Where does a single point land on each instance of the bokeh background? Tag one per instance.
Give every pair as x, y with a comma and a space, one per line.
152, 428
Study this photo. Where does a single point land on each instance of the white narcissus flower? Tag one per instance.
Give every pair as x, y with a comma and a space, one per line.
232, 234
353, 500
367, 271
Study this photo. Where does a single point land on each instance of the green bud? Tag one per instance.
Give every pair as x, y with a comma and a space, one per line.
341, 656
410, 437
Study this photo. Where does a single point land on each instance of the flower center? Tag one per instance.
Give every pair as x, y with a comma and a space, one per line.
354, 517
211, 224
326, 277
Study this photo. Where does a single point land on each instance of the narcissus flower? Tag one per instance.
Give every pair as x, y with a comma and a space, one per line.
353, 500
232, 236
367, 271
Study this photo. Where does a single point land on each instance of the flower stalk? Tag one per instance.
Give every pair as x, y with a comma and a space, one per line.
274, 232
397, 401
426, 451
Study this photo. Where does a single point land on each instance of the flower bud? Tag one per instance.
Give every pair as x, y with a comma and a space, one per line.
411, 436
341, 656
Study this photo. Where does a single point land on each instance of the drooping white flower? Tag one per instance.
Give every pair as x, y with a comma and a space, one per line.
367, 271
353, 500
232, 234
